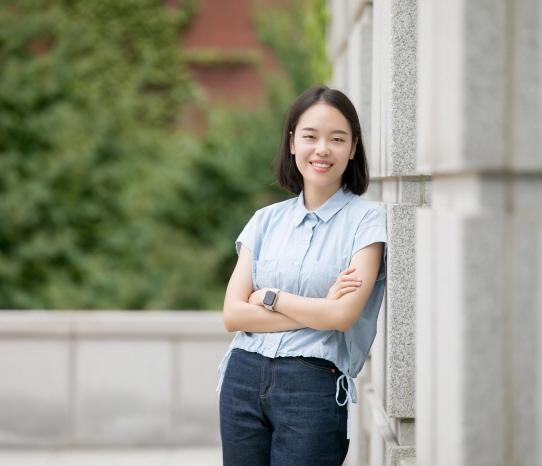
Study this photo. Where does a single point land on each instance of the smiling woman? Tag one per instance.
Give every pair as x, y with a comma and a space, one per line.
322, 146
304, 328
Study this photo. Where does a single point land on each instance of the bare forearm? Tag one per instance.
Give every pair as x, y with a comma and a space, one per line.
253, 318
316, 313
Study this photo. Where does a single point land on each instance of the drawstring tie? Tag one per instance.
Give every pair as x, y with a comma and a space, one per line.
351, 397
350, 389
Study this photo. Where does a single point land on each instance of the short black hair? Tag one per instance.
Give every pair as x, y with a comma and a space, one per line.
356, 175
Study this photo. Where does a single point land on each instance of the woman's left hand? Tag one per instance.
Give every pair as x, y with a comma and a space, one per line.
257, 297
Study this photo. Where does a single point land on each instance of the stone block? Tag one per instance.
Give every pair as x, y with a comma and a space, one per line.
353, 60
526, 69
538, 366
396, 454
374, 192
378, 355
463, 72
405, 431
400, 325
365, 78
425, 340
407, 462
34, 392
380, 74
123, 392
523, 349
426, 122
393, 125
196, 413
402, 94
469, 316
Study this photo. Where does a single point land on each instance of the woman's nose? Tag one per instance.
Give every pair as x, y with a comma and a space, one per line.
321, 148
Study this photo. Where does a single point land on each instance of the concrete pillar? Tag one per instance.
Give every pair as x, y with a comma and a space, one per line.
478, 261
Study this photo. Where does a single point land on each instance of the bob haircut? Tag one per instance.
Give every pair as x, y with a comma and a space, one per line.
356, 175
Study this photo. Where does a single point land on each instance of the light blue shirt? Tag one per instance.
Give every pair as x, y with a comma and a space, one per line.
303, 252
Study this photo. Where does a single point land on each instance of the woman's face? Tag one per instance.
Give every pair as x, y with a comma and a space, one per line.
322, 145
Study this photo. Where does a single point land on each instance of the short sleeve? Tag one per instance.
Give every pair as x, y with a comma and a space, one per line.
250, 235
372, 229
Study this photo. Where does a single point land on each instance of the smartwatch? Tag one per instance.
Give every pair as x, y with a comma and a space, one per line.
270, 299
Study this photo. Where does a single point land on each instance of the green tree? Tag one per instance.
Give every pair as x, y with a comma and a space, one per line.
103, 202
88, 92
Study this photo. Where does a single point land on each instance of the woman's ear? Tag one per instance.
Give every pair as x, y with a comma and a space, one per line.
291, 138
353, 149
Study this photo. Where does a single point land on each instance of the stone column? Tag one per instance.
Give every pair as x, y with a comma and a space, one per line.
378, 52
478, 257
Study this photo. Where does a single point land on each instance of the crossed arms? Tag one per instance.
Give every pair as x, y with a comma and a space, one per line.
243, 307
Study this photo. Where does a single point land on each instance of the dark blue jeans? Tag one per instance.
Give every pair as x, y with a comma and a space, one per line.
281, 412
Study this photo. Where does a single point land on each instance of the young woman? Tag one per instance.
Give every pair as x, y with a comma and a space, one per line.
304, 328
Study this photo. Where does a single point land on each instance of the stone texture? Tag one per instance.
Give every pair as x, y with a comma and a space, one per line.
425, 340
123, 392
396, 454
483, 316
523, 352
359, 444
34, 396
378, 355
462, 73
426, 122
196, 416
484, 64
380, 89
526, 147
469, 346
365, 78
354, 59
403, 88
401, 293
407, 462
374, 192
405, 431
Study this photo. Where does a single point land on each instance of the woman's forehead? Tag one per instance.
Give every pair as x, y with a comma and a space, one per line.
323, 117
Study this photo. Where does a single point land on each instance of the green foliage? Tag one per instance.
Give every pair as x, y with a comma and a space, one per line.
85, 101
231, 174
303, 24
103, 204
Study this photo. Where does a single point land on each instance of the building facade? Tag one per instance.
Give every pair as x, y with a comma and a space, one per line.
450, 99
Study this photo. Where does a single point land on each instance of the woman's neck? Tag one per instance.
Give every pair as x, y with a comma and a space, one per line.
316, 197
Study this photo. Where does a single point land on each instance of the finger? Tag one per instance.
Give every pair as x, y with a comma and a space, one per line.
349, 283
347, 271
347, 290
349, 280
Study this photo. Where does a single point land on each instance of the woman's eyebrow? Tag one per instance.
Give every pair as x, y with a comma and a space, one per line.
340, 131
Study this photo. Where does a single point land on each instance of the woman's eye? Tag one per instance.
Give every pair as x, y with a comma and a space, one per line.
308, 136
338, 139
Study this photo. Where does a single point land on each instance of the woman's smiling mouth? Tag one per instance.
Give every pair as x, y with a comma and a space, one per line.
321, 166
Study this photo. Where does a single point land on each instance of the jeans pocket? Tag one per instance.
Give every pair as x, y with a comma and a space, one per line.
319, 364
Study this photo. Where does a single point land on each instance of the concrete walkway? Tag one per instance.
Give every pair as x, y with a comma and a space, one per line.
112, 457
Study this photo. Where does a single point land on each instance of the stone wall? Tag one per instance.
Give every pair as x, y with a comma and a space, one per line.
109, 378
450, 98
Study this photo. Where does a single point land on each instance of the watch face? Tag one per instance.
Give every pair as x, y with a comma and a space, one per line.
269, 298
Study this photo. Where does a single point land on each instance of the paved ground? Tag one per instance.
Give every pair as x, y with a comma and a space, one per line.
110, 457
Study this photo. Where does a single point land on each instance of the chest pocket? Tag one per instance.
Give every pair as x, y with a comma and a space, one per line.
314, 279
317, 278
276, 273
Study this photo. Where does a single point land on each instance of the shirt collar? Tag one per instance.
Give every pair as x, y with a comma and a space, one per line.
327, 210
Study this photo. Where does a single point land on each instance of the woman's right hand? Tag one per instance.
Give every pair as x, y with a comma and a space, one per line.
346, 283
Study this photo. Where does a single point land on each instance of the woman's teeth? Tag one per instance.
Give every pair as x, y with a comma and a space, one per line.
320, 165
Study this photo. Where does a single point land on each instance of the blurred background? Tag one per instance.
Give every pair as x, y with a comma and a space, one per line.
137, 138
